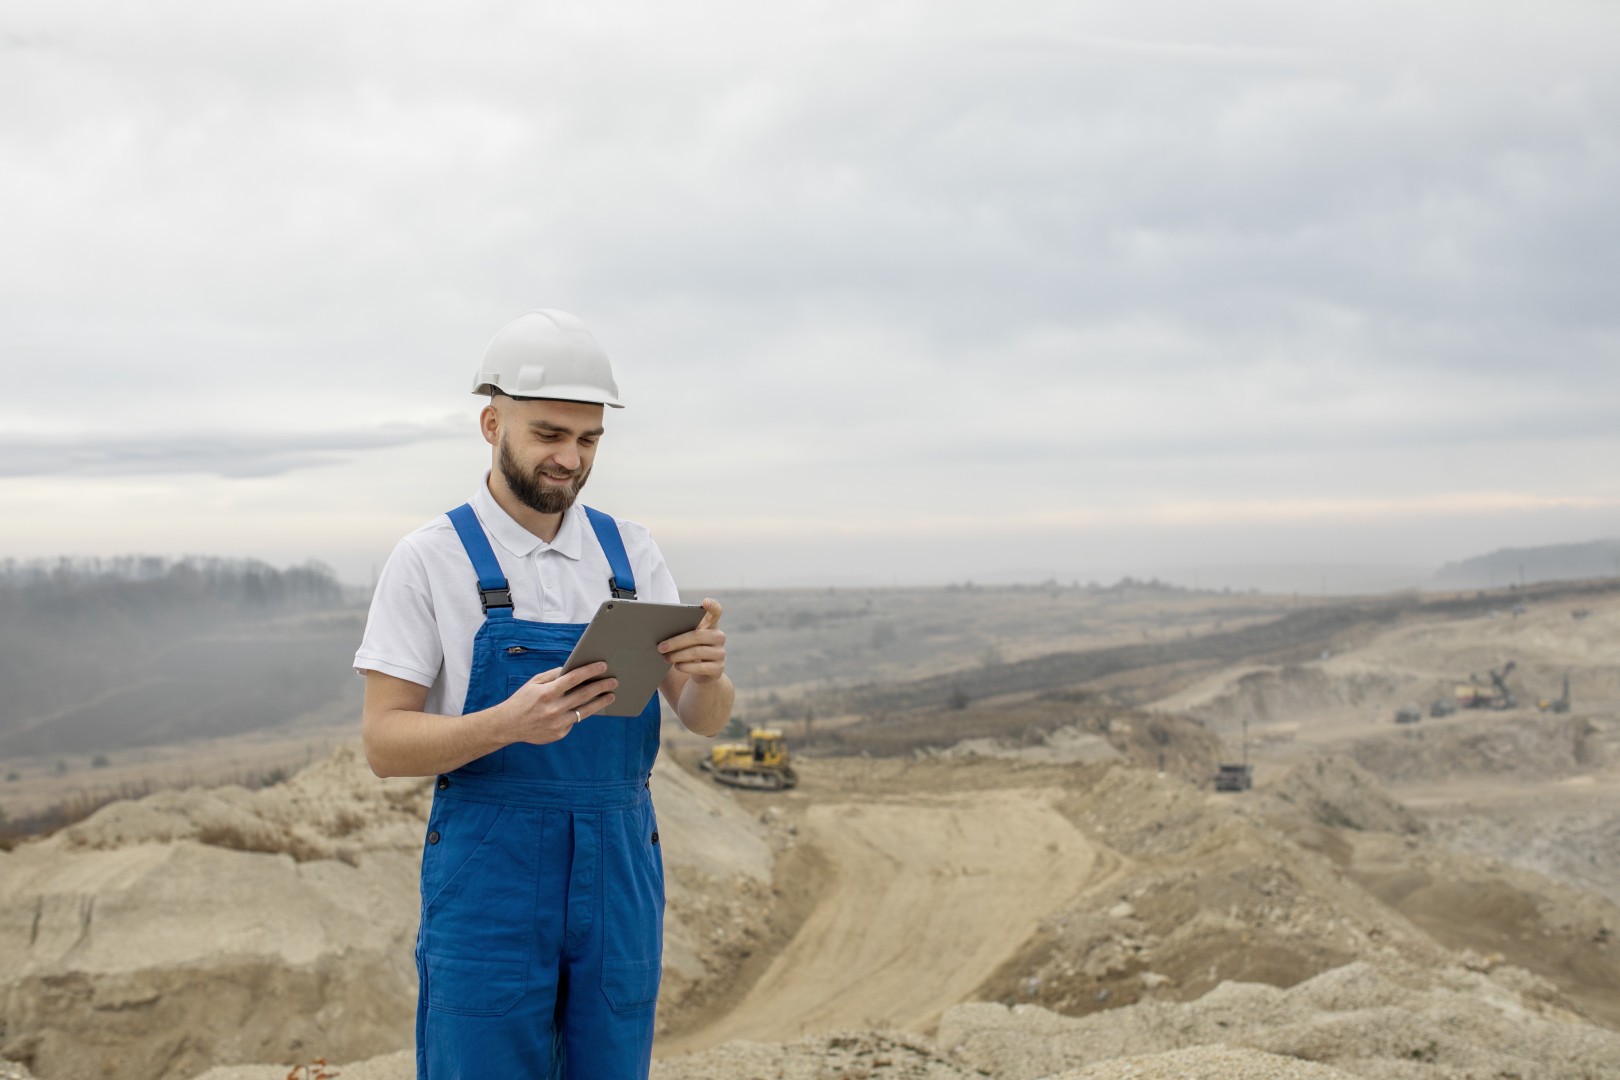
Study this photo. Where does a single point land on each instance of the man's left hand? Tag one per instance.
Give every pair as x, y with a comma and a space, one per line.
699, 654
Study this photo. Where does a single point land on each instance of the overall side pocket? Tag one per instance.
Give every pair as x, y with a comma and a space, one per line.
456, 830
633, 937
468, 986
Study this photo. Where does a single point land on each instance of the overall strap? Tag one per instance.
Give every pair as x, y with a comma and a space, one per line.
607, 534
492, 586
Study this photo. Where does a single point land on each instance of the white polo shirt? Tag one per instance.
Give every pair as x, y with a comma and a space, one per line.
426, 608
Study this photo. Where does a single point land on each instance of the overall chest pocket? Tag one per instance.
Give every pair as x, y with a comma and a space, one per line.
522, 664
604, 748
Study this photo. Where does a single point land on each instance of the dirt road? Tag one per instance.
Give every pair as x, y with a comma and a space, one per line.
927, 897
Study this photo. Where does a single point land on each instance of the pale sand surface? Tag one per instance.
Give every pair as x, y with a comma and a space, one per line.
1020, 913
905, 928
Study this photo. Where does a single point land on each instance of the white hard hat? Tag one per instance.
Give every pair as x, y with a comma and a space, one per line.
548, 354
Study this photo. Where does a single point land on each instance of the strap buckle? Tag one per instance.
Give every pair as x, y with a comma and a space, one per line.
618, 593
495, 598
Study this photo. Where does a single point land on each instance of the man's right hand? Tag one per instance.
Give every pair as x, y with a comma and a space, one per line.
547, 707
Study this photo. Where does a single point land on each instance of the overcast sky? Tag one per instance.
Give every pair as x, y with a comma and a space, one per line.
895, 292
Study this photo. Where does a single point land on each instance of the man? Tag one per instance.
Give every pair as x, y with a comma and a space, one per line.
542, 881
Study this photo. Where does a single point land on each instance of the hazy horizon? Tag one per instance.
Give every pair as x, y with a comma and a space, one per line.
1314, 579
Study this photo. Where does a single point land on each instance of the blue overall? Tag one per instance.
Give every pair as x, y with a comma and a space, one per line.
542, 881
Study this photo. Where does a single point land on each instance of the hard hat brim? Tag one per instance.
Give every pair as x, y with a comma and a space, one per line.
588, 395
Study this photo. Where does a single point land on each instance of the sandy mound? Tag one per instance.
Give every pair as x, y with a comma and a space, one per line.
1335, 791
396, 1066
843, 1055
157, 937
1123, 922
1065, 746
1206, 1063
1248, 889
1572, 840
1521, 747
1214, 891
1268, 696
717, 870
1363, 679
873, 1055
1478, 904
1413, 1023
1400, 1023
867, 1054
1057, 727
334, 809
161, 936
900, 931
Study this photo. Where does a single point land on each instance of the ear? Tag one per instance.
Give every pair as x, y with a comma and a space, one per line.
489, 423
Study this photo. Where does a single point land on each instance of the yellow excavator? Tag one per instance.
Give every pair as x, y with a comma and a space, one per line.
760, 763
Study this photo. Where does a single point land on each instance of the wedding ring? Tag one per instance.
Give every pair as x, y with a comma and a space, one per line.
577, 717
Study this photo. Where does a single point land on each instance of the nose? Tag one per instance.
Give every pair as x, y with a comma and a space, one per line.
567, 457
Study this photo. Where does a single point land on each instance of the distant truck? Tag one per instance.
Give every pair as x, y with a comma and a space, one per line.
1234, 777
1408, 714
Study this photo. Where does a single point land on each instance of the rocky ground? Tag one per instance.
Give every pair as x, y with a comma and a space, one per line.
1389, 1022
1570, 835
1037, 906
164, 935
1311, 928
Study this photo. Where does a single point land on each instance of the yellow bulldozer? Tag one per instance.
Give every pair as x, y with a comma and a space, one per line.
760, 763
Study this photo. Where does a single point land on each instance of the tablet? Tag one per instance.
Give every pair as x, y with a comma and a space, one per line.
625, 634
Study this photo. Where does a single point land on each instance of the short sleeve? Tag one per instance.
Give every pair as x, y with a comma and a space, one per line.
654, 582
402, 635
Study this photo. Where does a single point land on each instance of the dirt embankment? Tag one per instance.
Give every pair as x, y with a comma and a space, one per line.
1103, 910
1522, 748
1216, 890
1384, 1021
189, 928
1286, 883
1269, 697
1333, 790
1360, 678
1292, 637
1568, 832
904, 927
160, 936
1261, 935
1480, 905
1279, 887
1059, 727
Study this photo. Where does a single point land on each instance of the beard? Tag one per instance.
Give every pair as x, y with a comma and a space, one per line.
532, 491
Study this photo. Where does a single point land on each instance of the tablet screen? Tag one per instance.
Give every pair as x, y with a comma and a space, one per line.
625, 635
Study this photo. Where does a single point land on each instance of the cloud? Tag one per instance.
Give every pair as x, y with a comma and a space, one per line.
870, 258
220, 454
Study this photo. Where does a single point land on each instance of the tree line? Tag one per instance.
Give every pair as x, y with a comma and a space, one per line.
138, 585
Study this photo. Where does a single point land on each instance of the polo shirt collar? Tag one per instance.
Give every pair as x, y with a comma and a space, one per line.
505, 530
